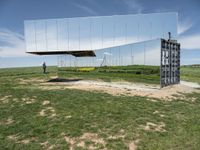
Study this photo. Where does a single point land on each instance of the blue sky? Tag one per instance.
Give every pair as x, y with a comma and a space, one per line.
14, 12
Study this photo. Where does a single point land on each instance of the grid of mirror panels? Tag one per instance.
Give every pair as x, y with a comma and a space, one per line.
170, 63
94, 33
142, 53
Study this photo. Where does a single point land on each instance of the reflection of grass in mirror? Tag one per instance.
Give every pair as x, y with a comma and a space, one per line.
135, 73
32, 118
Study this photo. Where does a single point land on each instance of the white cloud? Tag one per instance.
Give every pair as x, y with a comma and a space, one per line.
133, 5
86, 9
183, 27
12, 44
190, 41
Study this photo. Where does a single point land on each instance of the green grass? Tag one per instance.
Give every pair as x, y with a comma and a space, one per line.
190, 73
146, 74
98, 113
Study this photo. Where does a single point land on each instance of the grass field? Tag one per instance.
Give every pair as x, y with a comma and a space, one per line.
34, 118
190, 73
146, 74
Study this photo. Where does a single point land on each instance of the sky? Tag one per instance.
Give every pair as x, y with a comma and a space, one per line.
14, 12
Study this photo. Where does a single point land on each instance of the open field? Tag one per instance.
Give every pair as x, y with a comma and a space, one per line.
36, 114
147, 74
191, 73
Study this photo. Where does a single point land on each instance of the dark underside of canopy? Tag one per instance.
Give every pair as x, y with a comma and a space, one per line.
74, 53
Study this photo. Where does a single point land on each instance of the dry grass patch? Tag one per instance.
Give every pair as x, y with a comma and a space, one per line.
52, 87
31, 80
13, 137
45, 102
48, 111
159, 113
18, 139
7, 121
15, 99
182, 97
154, 127
67, 117
152, 100
119, 135
28, 100
5, 99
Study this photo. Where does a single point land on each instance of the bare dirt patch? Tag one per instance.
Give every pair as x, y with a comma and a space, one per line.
69, 140
154, 127
81, 144
125, 88
25, 141
114, 137
47, 145
93, 138
133, 145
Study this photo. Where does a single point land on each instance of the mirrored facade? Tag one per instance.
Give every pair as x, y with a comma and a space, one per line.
115, 40
142, 53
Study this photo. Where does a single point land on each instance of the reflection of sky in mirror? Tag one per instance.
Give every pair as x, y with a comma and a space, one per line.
92, 33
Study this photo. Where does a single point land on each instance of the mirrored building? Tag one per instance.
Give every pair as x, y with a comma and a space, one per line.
117, 40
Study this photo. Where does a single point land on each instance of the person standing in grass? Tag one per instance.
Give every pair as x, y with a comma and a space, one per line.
44, 67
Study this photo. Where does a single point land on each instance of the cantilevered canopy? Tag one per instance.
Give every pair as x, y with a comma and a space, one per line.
74, 53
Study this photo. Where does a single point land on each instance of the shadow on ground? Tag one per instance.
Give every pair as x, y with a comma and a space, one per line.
63, 80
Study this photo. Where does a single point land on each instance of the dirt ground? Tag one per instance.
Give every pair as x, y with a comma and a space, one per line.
127, 88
